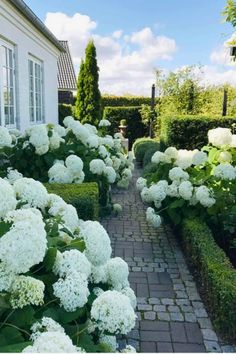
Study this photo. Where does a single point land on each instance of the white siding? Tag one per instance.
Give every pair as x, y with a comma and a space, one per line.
27, 40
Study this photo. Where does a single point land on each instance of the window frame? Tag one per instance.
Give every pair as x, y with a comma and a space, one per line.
36, 89
10, 47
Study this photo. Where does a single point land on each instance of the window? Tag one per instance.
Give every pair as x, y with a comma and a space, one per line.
7, 85
36, 111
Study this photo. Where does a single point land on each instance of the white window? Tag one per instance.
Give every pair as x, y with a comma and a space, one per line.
7, 85
36, 109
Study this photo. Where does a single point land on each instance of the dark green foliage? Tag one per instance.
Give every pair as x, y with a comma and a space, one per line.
124, 101
215, 272
84, 197
149, 152
141, 145
190, 132
88, 103
65, 110
135, 126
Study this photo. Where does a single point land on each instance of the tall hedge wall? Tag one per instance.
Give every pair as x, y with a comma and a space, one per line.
190, 132
65, 110
135, 129
124, 101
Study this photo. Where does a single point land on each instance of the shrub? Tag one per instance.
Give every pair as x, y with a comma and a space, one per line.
215, 271
190, 132
84, 197
135, 127
149, 152
141, 145
124, 101
65, 110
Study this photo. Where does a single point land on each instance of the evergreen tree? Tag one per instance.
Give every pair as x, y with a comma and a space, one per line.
88, 103
80, 111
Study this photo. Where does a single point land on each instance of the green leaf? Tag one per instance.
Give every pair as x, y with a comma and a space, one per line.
14, 348
4, 227
178, 203
77, 244
23, 317
50, 258
67, 317
11, 335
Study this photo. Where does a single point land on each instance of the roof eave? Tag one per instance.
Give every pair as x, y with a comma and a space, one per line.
30, 15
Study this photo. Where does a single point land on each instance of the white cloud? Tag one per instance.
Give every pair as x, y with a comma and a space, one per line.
126, 62
221, 56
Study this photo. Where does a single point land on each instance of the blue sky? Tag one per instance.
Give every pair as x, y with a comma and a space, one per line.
195, 26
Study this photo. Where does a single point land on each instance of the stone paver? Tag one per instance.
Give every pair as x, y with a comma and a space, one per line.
171, 315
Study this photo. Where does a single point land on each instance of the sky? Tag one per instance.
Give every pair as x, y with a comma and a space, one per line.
134, 38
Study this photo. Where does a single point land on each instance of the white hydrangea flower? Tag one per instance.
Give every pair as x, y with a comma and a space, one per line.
74, 164
72, 291
99, 274
225, 156
146, 195
38, 137
52, 342
186, 190
141, 183
91, 128
177, 174
25, 244
199, 158
184, 158
204, 196
32, 192
97, 166
127, 174
117, 273
152, 218
117, 208
13, 175
116, 163
233, 142
55, 140
108, 140
46, 324
72, 260
118, 136
8, 200
131, 295
68, 121
61, 131
113, 313
171, 152
5, 137
173, 189
68, 213
157, 193
110, 341
6, 277
98, 246
159, 156
26, 291
92, 141
224, 171
220, 137
128, 349
59, 173
108, 161
103, 152
110, 173
104, 123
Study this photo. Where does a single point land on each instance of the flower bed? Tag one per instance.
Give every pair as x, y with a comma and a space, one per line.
60, 289
75, 153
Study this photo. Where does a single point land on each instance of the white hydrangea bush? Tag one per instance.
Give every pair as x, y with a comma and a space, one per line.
192, 182
56, 272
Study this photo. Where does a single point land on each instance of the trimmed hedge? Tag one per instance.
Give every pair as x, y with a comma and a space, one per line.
190, 132
149, 153
142, 145
84, 197
215, 272
65, 110
124, 101
135, 127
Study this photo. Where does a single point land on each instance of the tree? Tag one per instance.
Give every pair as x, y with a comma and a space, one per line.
229, 12
88, 103
80, 110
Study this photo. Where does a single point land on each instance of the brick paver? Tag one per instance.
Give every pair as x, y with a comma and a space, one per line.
171, 315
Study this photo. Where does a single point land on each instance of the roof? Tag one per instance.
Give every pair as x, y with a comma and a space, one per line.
66, 71
36, 22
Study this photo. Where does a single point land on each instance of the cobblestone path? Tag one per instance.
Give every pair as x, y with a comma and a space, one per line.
171, 315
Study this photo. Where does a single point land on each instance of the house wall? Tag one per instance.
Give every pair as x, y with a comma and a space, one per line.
16, 29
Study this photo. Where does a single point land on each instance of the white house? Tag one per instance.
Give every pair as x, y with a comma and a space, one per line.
28, 68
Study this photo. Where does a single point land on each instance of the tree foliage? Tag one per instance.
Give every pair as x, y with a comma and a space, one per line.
88, 103
229, 12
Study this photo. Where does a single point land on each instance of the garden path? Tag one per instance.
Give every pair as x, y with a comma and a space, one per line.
171, 315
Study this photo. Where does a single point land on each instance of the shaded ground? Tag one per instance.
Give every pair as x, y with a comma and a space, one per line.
171, 315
